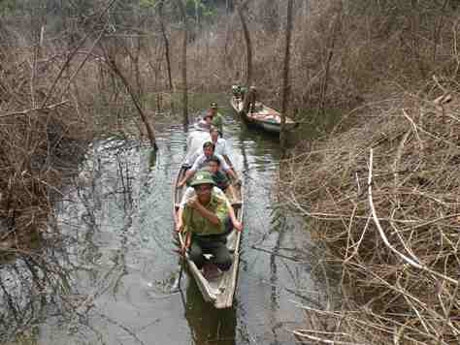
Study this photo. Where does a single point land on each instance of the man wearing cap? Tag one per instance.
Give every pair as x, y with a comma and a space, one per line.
206, 225
190, 193
201, 160
217, 119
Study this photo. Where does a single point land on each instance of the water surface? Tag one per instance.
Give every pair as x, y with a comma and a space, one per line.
119, 223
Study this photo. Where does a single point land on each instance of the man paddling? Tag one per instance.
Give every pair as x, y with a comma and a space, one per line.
206, 225
190, 193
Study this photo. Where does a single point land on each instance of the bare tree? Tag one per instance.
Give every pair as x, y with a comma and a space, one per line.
330, 53
247, 39
166, 43
286, 85
110, 61
184, 62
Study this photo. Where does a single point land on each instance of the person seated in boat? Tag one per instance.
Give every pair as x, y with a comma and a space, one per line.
195, 141
206, 225
243, 91
220, 148
205, 123
220, 144
220, 179
252, 96
217, 118
236, 91
190, 193
201, 160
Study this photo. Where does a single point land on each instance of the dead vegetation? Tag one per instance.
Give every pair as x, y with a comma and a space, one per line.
36, 130
396, 236
42, 136
47, 119
384, 197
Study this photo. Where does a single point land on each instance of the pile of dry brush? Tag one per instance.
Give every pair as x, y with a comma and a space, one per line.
39, 125
385, 197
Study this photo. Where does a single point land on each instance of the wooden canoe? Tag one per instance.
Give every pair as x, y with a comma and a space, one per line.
219, 291
263, 117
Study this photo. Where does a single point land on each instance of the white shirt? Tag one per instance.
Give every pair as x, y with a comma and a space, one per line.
221, 147
202, 159
195, 141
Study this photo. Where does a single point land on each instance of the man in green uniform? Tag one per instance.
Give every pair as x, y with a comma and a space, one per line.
206, 225
217, 118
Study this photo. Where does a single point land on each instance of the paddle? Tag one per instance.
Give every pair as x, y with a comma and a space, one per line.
175, 287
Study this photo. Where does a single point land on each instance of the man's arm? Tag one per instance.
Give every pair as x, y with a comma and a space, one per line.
211, 216
232, 173
188, 174
236, 223
223, 163
188, 194
192, 158
226, 167
179, 223
187, 242
226, 149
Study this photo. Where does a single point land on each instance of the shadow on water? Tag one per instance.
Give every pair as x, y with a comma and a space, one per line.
30, 286
115, 266
207, 324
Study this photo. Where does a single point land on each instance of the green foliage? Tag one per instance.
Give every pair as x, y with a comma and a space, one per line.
148, 3
7, 7
200, 9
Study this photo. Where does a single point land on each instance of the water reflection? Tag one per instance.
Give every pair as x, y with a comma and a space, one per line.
207, 324
120, 255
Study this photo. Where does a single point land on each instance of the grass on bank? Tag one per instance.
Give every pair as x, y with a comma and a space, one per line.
384, 197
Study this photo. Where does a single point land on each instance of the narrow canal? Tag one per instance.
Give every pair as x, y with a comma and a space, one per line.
119, 224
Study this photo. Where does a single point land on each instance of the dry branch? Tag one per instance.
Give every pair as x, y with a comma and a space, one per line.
400, 264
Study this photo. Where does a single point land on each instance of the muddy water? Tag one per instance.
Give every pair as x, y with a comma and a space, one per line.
123, 265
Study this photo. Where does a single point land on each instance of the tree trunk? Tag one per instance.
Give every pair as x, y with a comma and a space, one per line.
134, 97
166, 43
184, 63
286, 85
330, 54
247, 40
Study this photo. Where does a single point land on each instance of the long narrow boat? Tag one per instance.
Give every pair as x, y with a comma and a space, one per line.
263, 117
219, 291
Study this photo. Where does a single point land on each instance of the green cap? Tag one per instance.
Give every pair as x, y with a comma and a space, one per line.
213, 105
202, 177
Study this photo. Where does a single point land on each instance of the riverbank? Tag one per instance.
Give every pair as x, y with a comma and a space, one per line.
383, 197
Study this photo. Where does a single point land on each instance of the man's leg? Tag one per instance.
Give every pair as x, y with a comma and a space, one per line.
221, 256
196, 254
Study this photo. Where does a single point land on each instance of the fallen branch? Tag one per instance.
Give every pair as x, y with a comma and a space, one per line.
408, 260
27, 111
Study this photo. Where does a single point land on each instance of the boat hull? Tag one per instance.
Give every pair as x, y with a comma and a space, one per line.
220, 292
256, 119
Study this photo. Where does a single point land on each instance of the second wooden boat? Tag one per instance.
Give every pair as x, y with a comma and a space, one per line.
263, 117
